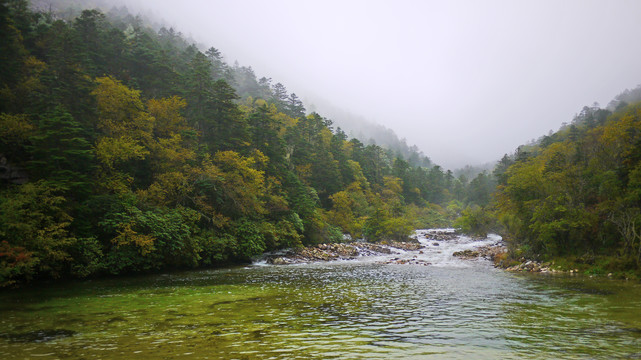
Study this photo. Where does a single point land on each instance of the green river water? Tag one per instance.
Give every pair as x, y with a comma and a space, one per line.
358, 309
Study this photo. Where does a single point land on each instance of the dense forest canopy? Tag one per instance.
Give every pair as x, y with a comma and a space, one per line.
573, 196
125, 149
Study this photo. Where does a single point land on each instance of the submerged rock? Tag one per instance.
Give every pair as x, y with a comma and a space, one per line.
43, 335
397, 261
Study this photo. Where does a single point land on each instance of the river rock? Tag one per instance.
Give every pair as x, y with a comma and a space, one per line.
493, 252
407, 246
397, 261
440, 235
340, 250
368, 249
467, 254
531, 266
315, 254
279, 260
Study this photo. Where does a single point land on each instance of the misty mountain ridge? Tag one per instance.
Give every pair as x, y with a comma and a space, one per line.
369, 132
245, 81
247, 84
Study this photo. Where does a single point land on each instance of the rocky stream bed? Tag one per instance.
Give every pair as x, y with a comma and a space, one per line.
410, 252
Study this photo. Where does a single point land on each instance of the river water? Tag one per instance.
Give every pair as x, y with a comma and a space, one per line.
357, 309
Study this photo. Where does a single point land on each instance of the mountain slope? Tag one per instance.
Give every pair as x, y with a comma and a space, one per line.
575, 194
126, 149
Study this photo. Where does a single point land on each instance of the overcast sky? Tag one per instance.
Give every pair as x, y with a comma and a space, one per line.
466, 81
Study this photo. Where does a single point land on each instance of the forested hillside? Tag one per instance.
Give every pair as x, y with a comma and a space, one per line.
575, 195
369, 132
124, 149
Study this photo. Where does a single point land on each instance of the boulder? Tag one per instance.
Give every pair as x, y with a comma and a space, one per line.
467, 254
407, 246
279, 260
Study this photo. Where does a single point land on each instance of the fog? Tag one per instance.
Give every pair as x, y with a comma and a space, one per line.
466, 81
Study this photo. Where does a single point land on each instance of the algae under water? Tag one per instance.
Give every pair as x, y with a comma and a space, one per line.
359, 309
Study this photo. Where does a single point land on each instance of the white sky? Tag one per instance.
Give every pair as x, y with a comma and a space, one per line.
466, 81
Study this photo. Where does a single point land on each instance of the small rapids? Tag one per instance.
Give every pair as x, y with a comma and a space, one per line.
440, 253
436, 248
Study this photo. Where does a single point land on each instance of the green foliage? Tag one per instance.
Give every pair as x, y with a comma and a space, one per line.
251, 241
61, 153
284, 234
15, 263
88, 258
430, 216
215, 249
577, 192
150, 239
382, 226
34, 223
475, 221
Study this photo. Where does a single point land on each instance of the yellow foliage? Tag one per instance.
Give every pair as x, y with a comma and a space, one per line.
121, 111
112, 151
259, 158
166, 111
349, 208
304, 172
17, 96
285, 121
234, 162
168, 189
247, 105
59, 233
393, 184
357, 173
15, 128
619, 137
234, 179
169, 153
242, 183
115, 182
326, 137
348, 148
126, 236
219, 220
30, 81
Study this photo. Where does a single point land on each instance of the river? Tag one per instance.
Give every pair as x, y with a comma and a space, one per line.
357, 309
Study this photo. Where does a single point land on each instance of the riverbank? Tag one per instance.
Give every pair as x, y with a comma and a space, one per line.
604, 266
498, 254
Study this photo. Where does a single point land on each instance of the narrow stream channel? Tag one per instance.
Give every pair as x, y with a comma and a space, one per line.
357, 309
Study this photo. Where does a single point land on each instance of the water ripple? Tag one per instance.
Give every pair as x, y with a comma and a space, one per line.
357, 310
